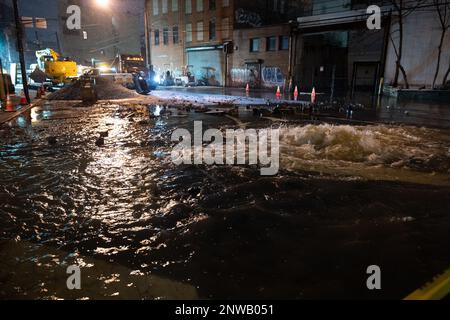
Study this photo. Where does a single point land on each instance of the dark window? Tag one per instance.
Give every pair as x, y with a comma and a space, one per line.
212, 30
212, 4
176, 38
156, 37
271, 43
284, 43
166, 36
254, 45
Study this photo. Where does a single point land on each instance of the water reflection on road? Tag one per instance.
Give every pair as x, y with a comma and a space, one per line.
137, 221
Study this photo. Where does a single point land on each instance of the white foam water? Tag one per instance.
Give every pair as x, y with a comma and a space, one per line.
380, 152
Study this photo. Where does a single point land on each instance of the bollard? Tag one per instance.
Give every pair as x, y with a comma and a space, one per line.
313, 95
9, 104
296, 93
278, 94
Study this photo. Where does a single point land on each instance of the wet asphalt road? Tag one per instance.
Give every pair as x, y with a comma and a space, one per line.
145, 228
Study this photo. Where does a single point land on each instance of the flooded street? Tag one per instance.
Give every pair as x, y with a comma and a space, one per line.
96, 186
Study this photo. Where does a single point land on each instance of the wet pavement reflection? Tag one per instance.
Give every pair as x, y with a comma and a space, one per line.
96, 186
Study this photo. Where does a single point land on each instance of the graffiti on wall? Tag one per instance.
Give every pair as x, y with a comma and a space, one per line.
272, 76
248, 18
242, 76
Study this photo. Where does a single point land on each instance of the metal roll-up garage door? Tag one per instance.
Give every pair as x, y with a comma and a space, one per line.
207, 65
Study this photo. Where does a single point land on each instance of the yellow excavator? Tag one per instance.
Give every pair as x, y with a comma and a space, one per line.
58, 71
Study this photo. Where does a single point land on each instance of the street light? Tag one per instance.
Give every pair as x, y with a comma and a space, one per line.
102, 3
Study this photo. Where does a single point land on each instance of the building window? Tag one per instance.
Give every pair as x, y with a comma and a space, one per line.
212, 29
212, 4
225, 3
283, 6
27, 22
189, 32
225, 28
165, 6
41, 23
271, 44
284, 43
188, 6
166, 36
200, 36
280, 6
199, 5
157, 37
155, 7
254, 45
174, 5
176, 36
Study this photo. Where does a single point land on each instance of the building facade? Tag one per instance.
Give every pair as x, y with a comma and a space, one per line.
104, 33
41, 27
335, 51
338, 54
261, 56
8, 53
39, 19
191, 34
422, 33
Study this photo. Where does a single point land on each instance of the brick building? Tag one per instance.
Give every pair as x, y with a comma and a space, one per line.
192, 33
261, 56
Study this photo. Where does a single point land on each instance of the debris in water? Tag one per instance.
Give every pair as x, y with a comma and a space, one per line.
52, 141
104, 134
100, 142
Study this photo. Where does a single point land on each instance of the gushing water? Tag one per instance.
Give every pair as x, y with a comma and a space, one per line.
376, 152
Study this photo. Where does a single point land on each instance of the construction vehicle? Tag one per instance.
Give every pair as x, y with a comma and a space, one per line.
127, 63
134, 66
58, 71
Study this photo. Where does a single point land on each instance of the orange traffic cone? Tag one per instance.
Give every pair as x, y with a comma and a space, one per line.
23, 99
296, 93
313, 95
9, 104
278, 92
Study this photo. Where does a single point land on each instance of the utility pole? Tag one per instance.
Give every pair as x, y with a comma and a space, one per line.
293, 34
3, 79
19, 35
148, 54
